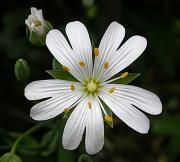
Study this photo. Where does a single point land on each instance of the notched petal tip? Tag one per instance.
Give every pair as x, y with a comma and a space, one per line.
140, 41
145, 127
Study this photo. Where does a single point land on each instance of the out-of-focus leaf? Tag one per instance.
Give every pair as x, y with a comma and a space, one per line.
168, 126
84, 158
10, 157
52, 139
60, 74
21, 70
92, 11
65, 155
126, 80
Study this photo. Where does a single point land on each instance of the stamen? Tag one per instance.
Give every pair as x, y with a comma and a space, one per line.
96, 51
37, 23
112, 90
82, 63
124, 75
106, 65
65, 68
66, 110
89, 104
72, 87
108, 118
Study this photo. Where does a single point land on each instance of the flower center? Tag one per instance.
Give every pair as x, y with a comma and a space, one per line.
36, 23
91, 86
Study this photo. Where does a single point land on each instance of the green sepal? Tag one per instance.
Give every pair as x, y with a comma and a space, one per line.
60, 74
34, 38
39, 39
10, 157
126, 80
21, 70
56, 65
84, 158
48, 26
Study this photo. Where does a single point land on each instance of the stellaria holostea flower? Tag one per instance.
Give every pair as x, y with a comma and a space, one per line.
37, 26
94, 86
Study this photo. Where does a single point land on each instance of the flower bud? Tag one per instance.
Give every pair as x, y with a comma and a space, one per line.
22, 70
37, 27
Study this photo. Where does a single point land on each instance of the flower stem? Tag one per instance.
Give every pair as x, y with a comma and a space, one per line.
29, 131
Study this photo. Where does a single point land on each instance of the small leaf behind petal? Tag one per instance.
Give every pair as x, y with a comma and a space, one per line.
60, 74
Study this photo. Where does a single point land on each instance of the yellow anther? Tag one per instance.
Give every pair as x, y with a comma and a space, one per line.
124, 75
37, 23
66, 110
89, 104
82, 63
106, 65
72, 87
108, 118
111, 90
65, 68
96, 51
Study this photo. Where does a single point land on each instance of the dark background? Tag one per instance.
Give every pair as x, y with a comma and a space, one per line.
157, 20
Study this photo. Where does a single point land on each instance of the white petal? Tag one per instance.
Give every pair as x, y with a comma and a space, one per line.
127, 113
37, 14
108, 45
48, 88
74, 128
94, 129
129, 52
81, 44
61, 50
141, 98
54, 106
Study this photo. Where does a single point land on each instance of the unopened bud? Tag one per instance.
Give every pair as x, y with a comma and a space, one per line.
37, 27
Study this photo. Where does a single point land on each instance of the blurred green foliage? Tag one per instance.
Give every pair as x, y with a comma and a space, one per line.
158, 21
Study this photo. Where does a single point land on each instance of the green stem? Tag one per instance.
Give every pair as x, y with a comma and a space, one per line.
31, 130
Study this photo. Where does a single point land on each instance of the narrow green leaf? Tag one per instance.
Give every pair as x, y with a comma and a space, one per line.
126, 80
60, 74
34, 38
21, 70
84, 158
10, 157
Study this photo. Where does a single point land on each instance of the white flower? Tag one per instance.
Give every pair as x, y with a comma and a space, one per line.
35, 21
93, 87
